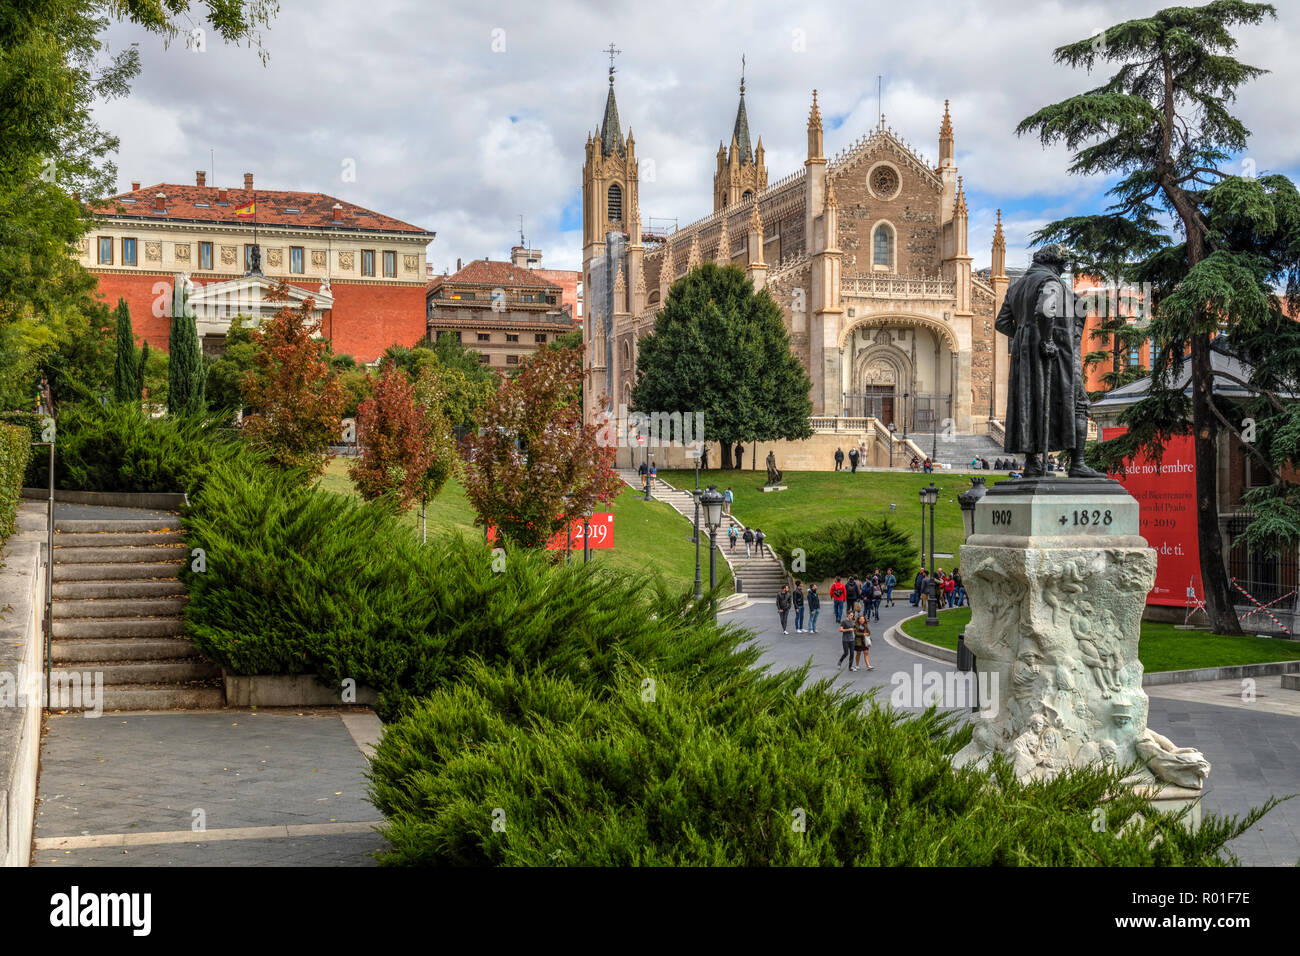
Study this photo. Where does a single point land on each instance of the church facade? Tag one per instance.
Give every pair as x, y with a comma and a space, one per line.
866, 253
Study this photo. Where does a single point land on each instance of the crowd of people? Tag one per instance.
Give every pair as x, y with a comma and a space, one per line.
948, 589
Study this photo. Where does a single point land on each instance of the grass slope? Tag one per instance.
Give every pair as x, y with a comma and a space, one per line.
1160, 648
646, 534
816, 498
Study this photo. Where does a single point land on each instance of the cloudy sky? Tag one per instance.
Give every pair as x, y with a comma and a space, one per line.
461, 118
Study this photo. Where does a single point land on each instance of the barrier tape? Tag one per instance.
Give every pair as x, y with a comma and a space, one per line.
1262, 607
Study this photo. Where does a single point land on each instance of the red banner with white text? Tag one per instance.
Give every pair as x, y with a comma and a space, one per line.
601, 527
1167, 499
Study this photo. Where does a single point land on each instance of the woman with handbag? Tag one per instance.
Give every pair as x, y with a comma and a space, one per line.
861, 643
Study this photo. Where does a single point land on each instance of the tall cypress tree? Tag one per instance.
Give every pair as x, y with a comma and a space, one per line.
185, 383
125, 377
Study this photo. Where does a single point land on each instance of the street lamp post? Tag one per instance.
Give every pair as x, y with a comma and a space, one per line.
934, 423
586, 537
906, 407
699, 591
712, 501
891, 444
930, 495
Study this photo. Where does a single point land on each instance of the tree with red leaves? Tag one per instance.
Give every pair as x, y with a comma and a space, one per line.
406, 446
534, 466
296, 397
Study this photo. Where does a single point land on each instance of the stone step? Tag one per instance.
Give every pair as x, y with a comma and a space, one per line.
116, 525
125, 607
128, 627
119, 555
162, 697
147, 671
121, 649
113, 539
155, 570
81, 590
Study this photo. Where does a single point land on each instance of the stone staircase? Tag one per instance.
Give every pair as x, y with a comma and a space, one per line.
960, 449
118, 605
760, 576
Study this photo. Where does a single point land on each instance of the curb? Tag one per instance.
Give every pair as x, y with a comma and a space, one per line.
1158, 678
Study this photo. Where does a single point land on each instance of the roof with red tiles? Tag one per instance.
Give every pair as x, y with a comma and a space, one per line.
485, 272
275, 207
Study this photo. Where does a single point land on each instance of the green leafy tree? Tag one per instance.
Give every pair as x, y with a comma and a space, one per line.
185, 372
226, 372
125, 377
1110, 247
722, 349
142, 370
1162, 122
455, 396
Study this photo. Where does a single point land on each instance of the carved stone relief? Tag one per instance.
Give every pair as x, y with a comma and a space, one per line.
181, 250
347, 261
275, 258
153, 251
410, 263
229, 255
318, 258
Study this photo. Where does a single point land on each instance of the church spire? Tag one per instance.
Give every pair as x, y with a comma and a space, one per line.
740, 135
945, 138
611, 139
999, 250
814, 130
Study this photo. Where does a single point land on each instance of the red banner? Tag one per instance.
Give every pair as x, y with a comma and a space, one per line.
602, 533
1168, 505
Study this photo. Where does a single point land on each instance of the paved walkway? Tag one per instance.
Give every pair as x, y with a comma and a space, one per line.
278, 788
1253, 748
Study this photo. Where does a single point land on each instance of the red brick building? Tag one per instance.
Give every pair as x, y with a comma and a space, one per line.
369, 266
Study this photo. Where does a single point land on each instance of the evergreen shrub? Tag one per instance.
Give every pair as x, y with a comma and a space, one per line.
15, 450
856, 546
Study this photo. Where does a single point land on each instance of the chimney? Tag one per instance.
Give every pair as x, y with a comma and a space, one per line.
338, 212
457, 265
200, 178
160, 202
248, 180
221, 194
135, 185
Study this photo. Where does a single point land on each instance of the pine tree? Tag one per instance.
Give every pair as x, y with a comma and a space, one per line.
185, 373
1162, 122
125, 374
722, 349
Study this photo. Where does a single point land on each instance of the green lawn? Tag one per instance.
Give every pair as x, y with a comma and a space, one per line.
816, 498
646, 535
1161, 647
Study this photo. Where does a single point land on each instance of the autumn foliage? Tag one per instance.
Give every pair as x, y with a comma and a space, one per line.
534, 466
406, 447
296, 397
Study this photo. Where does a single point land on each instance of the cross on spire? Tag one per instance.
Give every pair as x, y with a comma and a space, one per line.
742, 74
612, 53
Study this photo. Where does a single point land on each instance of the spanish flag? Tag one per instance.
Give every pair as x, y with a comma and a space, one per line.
243, 212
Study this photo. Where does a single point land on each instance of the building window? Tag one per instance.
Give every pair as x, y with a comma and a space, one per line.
455, 336
512, 337
539, 337
105, 250
295, 259
390, 265
485, 336
882, 247
1135, 355
205, 255
128, 252
367, 262
512, 359
615, 203
550, 300
482, 359
530, 297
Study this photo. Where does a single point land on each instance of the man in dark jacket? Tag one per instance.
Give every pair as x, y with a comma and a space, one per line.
814, 608
798, 607
749, 542
839, 459
916, 588
853, 460
852, 594
783, 602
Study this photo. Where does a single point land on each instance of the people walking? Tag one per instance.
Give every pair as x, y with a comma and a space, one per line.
846, 641
798, 607
759, 538
949, 590
837, 597
917, 584
839, 459
853, 594
732, 535
749, 543
861, 635
877, 595
891, 582
959, 589
727, 498
814, 608
853, 460
783, 602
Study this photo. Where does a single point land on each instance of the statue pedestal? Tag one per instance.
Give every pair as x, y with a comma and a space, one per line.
767, 488
1058, 575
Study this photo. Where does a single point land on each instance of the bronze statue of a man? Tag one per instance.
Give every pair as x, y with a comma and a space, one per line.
1047, 404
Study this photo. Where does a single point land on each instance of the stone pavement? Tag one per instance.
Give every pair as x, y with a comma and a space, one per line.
279, 788
1254, 749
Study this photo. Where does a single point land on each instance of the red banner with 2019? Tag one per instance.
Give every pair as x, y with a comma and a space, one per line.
601, 526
